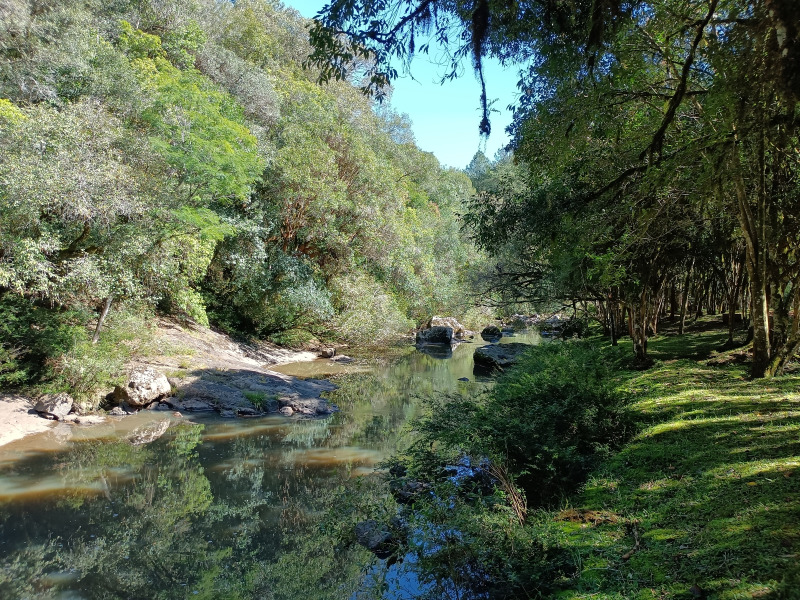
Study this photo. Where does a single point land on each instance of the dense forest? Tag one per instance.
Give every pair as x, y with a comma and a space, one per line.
177, 157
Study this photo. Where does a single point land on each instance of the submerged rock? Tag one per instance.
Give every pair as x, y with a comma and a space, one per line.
54, 406
375, 537
90, 420
343, 359
497, 357
145, 385
435, 335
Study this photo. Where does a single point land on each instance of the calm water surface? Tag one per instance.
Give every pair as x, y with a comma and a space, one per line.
214, 508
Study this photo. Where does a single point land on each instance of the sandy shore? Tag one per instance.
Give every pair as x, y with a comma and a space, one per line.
17, 419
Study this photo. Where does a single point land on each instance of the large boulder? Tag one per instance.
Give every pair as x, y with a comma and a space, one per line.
497, 357
54, 406
491, 333
145, 385
459, 331
435, 335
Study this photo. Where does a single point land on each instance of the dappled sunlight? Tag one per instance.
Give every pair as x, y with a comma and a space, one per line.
709, 491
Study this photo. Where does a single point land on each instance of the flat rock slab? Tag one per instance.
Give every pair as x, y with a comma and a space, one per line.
248, 392
17, 419
497, 357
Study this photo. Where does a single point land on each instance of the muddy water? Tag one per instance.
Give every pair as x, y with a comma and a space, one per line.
213, 508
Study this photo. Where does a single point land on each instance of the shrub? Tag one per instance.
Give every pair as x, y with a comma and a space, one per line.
32, 334
84, 369
549, 420
368, 312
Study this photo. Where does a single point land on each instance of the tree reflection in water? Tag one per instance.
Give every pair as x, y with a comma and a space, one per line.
263, 508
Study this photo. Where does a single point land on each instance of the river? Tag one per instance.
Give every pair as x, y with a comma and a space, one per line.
216, 508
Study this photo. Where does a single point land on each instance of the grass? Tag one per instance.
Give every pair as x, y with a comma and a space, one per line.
705, 501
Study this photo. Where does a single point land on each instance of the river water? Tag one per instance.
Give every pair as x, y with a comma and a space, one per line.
214, 508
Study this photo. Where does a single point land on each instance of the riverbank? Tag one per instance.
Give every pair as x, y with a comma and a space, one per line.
190, 356
700, 500
705, 501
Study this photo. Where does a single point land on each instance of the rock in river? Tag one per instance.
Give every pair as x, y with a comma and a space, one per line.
435, 335
145, 385
54, 406
497, 357
375, 537
491, 333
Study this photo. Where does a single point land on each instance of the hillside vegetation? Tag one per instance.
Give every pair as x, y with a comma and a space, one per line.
176, 157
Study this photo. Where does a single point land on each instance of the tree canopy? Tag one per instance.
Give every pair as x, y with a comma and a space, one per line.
658, 137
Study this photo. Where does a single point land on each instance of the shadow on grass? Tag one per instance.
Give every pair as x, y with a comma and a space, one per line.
709, 493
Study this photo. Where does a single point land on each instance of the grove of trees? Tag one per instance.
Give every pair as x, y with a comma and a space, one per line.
655, 149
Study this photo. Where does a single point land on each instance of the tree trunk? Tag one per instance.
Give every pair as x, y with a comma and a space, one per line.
103, 315
685, 299
754, 227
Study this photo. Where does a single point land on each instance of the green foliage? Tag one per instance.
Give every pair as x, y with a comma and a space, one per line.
292, 338
358, 295
181, 45
257, 399
139, 45
549, 421
476, 549
89, 371
33, 336
198, 129
238, 193
9, 112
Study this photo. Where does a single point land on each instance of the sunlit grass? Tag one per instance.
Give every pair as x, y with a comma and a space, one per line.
708, 492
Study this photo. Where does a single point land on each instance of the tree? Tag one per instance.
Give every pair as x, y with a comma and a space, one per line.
630, 93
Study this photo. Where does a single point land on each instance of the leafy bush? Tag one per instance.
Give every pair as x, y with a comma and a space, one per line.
476, 550
84, 369
31, 335
368, 312
292, 338
549, 420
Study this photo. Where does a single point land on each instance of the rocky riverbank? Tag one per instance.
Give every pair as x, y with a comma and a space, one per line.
193, 369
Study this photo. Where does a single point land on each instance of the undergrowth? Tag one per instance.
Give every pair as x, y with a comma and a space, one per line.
50, 350
681, 481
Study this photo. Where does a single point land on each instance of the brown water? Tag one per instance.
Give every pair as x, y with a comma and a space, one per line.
214, 508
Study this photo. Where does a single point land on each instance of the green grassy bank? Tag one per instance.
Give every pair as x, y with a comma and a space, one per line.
705, 500
678, 481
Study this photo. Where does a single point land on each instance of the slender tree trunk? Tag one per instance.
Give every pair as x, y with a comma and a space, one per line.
685, 299
754, 227
103, 315
673, 301
611, 316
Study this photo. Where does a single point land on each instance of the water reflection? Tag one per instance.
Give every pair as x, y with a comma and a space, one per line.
214, 508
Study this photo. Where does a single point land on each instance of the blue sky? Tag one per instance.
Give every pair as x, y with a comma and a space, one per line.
446, 116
